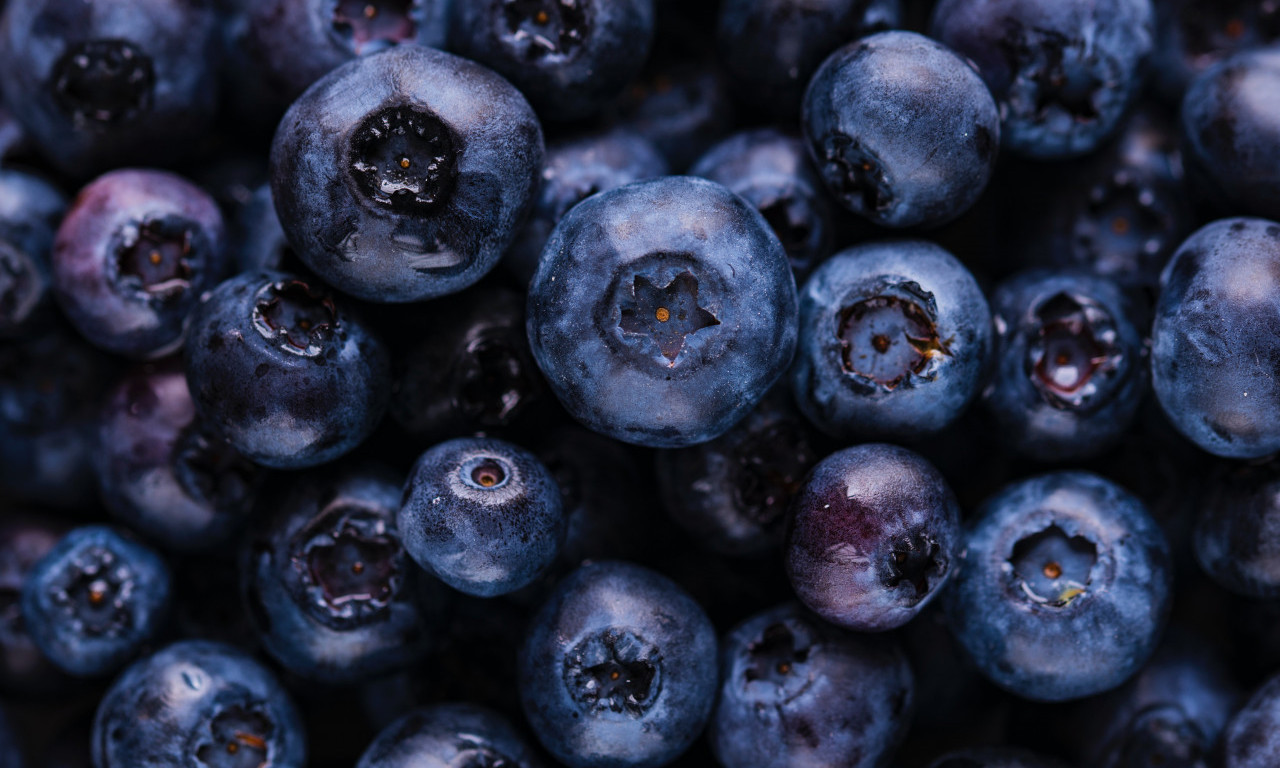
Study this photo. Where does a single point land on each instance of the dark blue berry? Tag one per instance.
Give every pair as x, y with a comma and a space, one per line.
456, 735
30, 209
1238, 511
24, 539
683, 108
1193, 35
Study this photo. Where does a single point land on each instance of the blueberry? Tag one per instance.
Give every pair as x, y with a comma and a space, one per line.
328, 582
1252, 738
1232, 130
1233, 532
106, 84
569, 57
1064, 73
1070, 368
206, 705
163, 472
662, 311
854, 110
1196, 34
771, 170
95, 600
731, 494
24, 539
1062, 587
259, 239
285, 370
872, 537
994, 757
618, 669
773, 47
1213, 338
483, 515
30, 209
403, 175
462, 735
795, 691
894, 341
133, 255
683, 108
574, 170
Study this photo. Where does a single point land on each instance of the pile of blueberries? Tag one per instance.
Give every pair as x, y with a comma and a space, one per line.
633, 383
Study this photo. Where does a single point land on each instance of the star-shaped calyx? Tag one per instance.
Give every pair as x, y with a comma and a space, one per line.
668, 314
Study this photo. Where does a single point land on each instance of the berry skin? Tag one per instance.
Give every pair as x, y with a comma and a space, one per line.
95, 600
1062, 587
1252, 738
483, 515
662, 311
618, 669
403, 175
328, 583
853, 120
30, 209
1196, 34
1231, 123
1233, 537
791, 686
285, 370
462, 735
569, 57
1063, 73
24, 539
208, 705
872, 537
132, 257
894, 341
683, 108
1070, 368
1215, 332
162, 472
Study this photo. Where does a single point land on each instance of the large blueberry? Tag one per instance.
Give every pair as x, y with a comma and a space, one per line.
569, 57
1070, 365
328, 583
285, 370
30, 209
403, 175
1239, 512
461, 735
95, 600
131, 258
483, 515
1062, 587
207, 705
113, 82
792, 689
894, 341
662, 311
1215, 337
618, 669
856, 110
1064, 73
872, 537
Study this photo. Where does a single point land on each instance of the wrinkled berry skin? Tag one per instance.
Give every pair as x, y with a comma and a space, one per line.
201, 697
1063, 73
162, 472
1196, 34
771, 170
853, 112
569, 57
284, 370
24, 540
328, 583
1231, 123
1213, 338
106, 84
995, 757
95, 600
132, 257
773, 47
449, 734
483, 515
1233, 538
613, 617
30, 209
731, 494
1062, 587
574, 170
662, 311
872, 537
894, 341
791, 686
1070, 365
403, 175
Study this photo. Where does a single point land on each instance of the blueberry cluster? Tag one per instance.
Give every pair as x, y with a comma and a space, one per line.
640, 383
